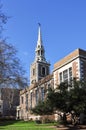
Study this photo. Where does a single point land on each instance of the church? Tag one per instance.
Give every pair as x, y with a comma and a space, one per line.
71, 66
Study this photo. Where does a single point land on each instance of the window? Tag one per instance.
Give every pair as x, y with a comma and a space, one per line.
42, 94
65, 75
43, 71
33, 71
31, 95
41, 52
26, 102
38, 52
36, 96
70, 76
70, 73
60, 77
22, 100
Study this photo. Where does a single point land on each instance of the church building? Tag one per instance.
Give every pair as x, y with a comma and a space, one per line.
71, 66
40, 80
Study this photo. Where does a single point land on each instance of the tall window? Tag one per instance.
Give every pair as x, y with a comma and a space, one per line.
41, 52
60, 76
43, 71
33, 71
26, 102
36, 96
42, 94
70, 73
31, 98
65, 75
22, 99
38, 52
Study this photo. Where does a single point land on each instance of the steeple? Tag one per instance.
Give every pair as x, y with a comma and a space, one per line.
39, 42
40, 67
40, 52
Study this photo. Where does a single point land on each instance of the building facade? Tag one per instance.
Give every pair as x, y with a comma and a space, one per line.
9, 99
29, 97
71, 66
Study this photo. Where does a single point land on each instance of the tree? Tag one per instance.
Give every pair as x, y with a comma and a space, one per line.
12, 74
67, 98
11, 71
57, 97
42, 108
3, 19
70, 97
10, 99
77, 96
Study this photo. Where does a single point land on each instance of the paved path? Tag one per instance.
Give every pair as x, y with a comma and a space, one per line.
71, 127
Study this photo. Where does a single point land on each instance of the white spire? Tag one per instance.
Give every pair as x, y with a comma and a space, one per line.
39, 41
40, 52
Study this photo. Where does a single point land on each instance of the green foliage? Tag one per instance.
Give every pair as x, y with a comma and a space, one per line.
69, 97
42, 108
77, 97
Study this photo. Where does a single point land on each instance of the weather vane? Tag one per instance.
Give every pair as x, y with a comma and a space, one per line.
39, 24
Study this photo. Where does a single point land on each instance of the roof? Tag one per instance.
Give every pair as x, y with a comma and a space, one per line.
78, 52
40, 82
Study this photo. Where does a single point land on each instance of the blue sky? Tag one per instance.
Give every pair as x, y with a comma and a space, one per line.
63, 25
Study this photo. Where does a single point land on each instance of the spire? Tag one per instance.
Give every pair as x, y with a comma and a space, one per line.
40, 52
39, 41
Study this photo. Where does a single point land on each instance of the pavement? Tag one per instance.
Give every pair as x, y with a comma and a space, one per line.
71, 127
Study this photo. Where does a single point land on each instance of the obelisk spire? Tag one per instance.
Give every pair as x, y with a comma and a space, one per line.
40, 52
39, 41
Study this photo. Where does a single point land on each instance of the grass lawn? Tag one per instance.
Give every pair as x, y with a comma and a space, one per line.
21, 125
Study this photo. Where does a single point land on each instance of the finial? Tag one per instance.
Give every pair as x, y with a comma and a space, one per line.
39, 24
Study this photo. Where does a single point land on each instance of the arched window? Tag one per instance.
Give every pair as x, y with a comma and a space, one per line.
33, 72
42, 94
38, 52
43, 71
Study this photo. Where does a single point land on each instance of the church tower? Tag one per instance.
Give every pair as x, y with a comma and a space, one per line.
40, 67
